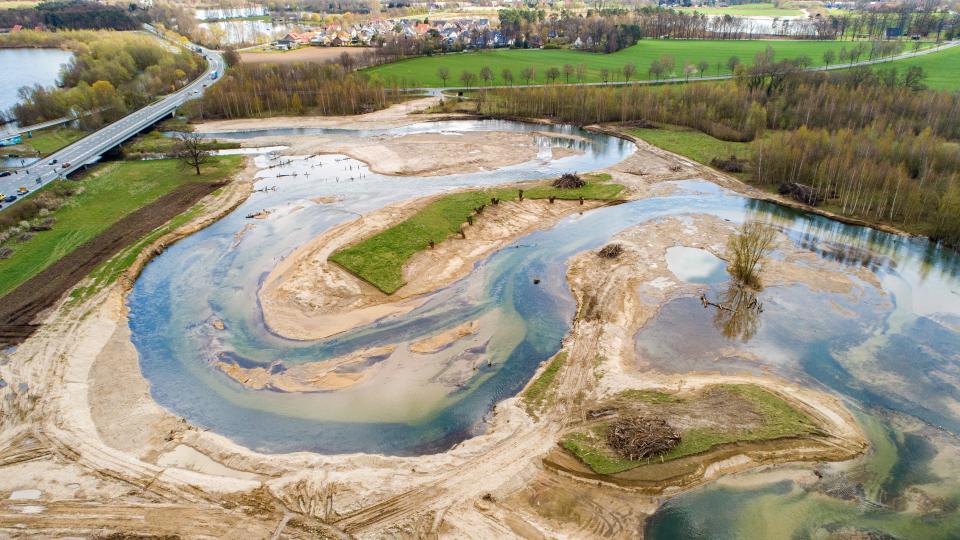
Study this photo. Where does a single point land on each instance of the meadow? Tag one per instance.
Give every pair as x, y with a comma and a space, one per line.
422, 71
759, 9
942, 68
110, 192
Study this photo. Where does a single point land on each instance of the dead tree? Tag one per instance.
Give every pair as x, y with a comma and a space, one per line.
191, 149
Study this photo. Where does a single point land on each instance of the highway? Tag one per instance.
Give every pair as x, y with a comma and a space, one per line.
87, 149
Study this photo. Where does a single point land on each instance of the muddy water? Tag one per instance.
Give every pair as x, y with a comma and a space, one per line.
891, 352
409, 403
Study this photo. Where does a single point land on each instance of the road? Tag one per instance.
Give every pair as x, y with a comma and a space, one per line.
87, 149
439, 91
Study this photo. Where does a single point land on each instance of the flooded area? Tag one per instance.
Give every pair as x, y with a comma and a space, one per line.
887, 345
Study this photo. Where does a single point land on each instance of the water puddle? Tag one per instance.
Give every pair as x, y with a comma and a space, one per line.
695, 265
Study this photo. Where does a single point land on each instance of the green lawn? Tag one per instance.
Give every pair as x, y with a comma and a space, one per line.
942, 68
422, 71
155, 142
780, 420
749, 10
536, 393
48, 141
379, 259
111, 191
693, 144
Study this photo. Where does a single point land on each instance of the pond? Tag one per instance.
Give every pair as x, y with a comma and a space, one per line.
28, 67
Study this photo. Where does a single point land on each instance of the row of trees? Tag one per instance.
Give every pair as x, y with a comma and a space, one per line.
872, 144
71, 15
109, 75
252, 90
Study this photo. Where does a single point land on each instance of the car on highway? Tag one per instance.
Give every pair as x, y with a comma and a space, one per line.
53, 162
10, 198
5, 173
65, 165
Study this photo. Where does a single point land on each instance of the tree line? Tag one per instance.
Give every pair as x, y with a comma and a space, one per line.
70, 15
109, 75
872, 144
254, 90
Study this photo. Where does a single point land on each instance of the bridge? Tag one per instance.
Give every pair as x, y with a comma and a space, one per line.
86, 150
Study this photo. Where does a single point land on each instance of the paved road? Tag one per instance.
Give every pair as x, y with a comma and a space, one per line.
902, 56
90, 147
11, 131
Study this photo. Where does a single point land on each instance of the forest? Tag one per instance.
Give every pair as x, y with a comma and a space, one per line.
110, 74
70, 15
252, 90
874, 145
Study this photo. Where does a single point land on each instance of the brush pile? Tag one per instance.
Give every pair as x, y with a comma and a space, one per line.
610, 251
640, 437
569, 181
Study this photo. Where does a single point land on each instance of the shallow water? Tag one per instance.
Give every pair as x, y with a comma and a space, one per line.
695, 265
890, 352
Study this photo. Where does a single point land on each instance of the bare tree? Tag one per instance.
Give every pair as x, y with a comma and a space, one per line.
552, 74
467, 78
568, 71
747, 249
629, 71
605, 74
581, 72
191, 149
486, 74
528, 73
444, 74
703, 66
507, 76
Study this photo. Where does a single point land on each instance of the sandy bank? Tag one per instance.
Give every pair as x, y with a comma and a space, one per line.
307, 297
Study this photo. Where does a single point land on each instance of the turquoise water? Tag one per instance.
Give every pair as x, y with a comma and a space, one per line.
891, 352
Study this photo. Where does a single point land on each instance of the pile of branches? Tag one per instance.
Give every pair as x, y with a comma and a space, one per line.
640, 437
801, 192
569, 181
610, 251
732, 165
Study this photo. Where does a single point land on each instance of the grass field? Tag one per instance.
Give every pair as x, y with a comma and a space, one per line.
379, 259
779, 420
693, 144
942, 68
48, 141
111, 191
537, 392
422, 71
156, 143
749, 10
18, 4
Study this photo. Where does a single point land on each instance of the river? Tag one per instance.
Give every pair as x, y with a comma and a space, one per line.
28, 67
890, 353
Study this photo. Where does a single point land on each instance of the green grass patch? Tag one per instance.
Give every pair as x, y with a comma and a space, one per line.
48, 141
780, 420
760, 9
693, 144
942, 68
422, 71
536, 394
648, 396
111, 191
156, 142
379, 259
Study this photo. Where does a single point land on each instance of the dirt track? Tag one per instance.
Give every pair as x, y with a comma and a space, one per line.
20, 308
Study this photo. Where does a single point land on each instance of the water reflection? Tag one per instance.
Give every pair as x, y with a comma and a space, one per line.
737, 313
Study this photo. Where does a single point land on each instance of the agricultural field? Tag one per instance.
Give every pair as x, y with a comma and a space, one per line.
18, 4
422, 71
760, 9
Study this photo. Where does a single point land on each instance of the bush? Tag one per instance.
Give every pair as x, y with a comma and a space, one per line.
640, 437
610, 251
569, 181
732, 165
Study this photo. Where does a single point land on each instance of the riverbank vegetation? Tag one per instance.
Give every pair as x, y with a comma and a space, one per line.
292, 89
716, 415
379, 260
873, 145
111, 74
64, 215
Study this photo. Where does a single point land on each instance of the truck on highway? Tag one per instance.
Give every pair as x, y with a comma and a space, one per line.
213, 75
